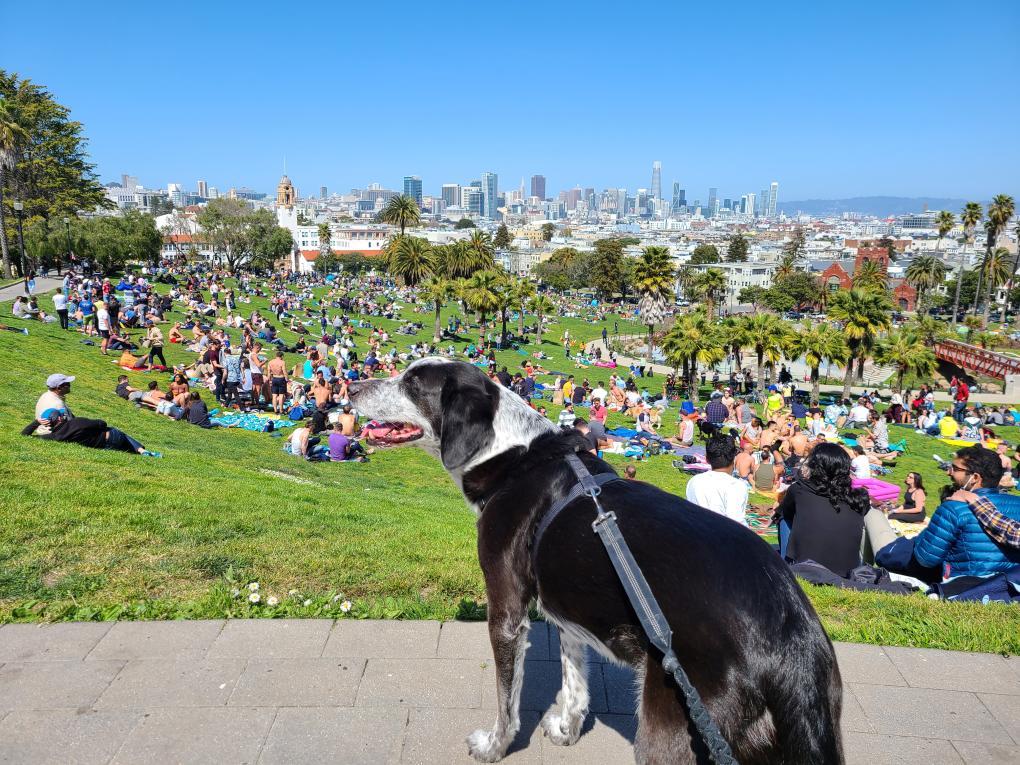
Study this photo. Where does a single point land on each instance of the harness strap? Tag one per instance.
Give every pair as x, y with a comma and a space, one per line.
576, 491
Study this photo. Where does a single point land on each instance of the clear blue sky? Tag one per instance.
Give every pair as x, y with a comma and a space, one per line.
830, 99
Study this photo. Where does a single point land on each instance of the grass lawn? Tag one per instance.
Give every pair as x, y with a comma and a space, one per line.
89, 534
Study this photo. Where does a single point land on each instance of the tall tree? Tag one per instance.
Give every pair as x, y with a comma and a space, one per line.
541, 306
502, 239
607, 267
908, 353
996, 273
524, 290
693, 339
869, 277
969, 219
325, 243
704, 253
437, 291
737, 250
817, 343
482, 251
13, 135
766, 333
999, 212
924, 273
243, 236
481, 292
711, 287
401, 210
411, 259
864, 315
548, 230
654, 277
795, 248
944, 222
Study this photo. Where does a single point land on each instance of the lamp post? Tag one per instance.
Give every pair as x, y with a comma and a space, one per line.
67, 230
19, 209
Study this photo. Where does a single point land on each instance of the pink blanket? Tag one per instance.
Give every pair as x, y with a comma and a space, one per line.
879, 491
606, 364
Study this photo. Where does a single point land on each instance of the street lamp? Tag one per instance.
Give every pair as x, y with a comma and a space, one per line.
67, 229
19, 209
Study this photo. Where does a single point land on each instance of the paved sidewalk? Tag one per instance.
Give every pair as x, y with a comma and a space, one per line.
313, 691
44, 286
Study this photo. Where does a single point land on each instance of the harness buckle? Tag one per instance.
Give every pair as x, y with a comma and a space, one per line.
602, 517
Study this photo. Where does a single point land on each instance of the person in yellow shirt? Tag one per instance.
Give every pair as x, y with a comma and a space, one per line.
948, 427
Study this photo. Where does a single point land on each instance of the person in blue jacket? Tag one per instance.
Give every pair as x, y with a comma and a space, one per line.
956, 541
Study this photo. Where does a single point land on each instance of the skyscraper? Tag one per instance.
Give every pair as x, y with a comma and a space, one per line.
749, 207
656, 180
674, 206
763, 203
621, 201
538, 186
412, 188
773, 193
713, 202
203, 189
490, 190
323, 192
451, 194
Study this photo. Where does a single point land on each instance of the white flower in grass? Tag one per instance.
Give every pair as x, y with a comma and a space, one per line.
308, 602
272, 600
345, 606
235, 592
292, 593
253, 587
254, 598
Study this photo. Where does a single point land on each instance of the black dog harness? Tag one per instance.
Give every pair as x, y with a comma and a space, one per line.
641, 599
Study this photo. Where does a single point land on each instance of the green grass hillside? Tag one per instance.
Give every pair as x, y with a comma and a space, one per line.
89, 534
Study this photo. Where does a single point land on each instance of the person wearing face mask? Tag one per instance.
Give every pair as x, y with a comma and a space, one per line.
974, 532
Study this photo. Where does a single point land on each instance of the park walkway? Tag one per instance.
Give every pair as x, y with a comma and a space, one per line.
44, 286
313, 691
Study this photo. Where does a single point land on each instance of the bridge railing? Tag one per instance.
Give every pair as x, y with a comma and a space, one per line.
977, 359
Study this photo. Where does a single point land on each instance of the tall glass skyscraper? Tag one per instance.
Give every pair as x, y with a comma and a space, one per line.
451, 194
656, 180
773, 193
538, 186
412, 188
490, 191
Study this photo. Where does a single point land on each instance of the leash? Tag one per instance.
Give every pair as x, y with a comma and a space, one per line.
641, 599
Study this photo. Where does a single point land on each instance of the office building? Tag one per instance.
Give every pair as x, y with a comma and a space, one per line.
621, 201
749, 204
129, 182
214, 193
589, 198
203, 189
412, 188
656, 180
490, 192
451, 194
322, 192
538, 186
472, 200
713, 202
763, 203
773, 193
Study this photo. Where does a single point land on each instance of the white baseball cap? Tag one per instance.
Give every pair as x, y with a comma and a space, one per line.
55, 381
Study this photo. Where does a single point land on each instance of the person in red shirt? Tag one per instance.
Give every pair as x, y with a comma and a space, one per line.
962, 396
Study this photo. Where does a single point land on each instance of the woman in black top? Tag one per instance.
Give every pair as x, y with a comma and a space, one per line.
912, 509
824, 513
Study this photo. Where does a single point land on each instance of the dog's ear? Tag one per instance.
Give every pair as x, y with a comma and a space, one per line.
468, 408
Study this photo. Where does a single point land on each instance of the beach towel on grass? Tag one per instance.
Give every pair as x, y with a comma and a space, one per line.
251, 421
622, 432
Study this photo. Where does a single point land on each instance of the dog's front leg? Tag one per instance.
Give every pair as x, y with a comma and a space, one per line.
564, 728
509, 636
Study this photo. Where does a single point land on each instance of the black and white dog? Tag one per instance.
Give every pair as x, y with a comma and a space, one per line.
743, 629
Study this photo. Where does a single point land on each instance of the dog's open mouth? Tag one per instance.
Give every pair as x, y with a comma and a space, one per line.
392, 433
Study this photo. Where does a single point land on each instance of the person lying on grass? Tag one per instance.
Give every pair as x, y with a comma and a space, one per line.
54, 421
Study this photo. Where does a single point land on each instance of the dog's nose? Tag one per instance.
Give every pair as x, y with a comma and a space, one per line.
354, 386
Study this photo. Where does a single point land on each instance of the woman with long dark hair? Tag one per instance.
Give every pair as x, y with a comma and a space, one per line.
824, 513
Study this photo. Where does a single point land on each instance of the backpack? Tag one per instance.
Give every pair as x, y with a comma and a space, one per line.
297, 413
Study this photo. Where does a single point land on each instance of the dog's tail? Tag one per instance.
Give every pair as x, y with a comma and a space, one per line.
805, 698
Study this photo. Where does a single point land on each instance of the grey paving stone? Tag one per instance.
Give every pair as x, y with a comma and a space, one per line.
371, 639
64, 736
974, 753
329, 682
1005, 709
859, 663
157, 640
437, 736
271, 639
421, 683
954, 671
54, 684
621, 689
928, 713
213, 735
872, 749
150, 683
338, 734
854, 719
50, 642
470, 640
542, 681
605, 739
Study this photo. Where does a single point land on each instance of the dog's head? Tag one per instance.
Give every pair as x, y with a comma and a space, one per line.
450, 409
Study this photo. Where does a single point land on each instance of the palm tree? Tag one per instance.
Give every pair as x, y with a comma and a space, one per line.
944, 222
929, 329
693, 339
481, 292
325, 247
411, 258
402, 211
13, 134
459, 260
786, 268
541, 306
437, 291
870, 277
766, 333
925, 272
969, 218
733, 336
817, 343
686, 281
482, 251
864, 315
654, 277
711, 285
524, 290
999, 213
996, 272
908, 353
505, 300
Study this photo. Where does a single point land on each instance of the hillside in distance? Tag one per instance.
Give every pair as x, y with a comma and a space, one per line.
881, 207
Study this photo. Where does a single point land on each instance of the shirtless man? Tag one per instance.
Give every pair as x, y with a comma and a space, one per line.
743, 465
769, 435
321, 392
277, 369
348, 421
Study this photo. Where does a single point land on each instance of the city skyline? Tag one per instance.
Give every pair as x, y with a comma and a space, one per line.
834, 104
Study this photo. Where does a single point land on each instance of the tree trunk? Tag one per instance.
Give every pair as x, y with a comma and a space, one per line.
899, 380
860, 368
539, 329
4, 247
648, 353
980, 283
520, 321
848, 377
988, 302
761, 372
815, 384
956, 301
502, 337
437, 334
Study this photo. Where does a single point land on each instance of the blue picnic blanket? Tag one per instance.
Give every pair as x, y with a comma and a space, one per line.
251, 421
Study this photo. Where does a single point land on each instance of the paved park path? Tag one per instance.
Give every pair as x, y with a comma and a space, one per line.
317, 691
44, 286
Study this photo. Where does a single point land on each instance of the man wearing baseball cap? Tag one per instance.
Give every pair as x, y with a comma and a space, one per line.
54, 421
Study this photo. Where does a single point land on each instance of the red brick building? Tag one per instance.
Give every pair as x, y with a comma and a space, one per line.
835, 277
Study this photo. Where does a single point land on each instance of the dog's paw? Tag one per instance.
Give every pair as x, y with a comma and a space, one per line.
558, 731
483, 747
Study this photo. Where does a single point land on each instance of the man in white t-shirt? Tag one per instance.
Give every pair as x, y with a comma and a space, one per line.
103, 325
859, 415
717, 490
57, 386
60, 306
600, 393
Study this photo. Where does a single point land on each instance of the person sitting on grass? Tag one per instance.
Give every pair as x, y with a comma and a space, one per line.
912, 509
54, 421
716, 489
342, 448
197, 411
